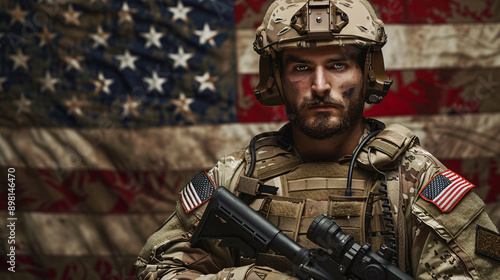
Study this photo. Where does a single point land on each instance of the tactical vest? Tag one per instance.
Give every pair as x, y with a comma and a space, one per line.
305, 190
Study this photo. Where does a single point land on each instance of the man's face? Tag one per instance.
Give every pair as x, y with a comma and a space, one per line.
322, 89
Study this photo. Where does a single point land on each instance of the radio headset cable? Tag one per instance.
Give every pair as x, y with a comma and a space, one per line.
348, 191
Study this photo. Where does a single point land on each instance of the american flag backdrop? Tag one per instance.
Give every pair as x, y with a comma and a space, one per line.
108, 108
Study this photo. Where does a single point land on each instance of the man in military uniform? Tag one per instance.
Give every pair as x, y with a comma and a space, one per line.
323, 60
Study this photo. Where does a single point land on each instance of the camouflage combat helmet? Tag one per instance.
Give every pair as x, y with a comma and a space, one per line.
315, 23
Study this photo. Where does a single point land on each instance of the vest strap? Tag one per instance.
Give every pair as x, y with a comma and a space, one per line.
253, 187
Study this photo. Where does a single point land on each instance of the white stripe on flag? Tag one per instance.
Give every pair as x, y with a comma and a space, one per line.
447, 173
186, 200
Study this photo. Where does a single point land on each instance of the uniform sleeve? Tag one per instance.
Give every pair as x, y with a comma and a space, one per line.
443, 245
168, 253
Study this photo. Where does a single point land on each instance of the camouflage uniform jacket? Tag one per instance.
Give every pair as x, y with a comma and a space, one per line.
435, 244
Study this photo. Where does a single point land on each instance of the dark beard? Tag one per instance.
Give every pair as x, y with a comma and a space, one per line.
322, 128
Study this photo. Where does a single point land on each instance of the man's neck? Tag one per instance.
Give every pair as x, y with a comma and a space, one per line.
327, 150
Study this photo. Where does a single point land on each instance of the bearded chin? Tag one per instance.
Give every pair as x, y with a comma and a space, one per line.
322, 126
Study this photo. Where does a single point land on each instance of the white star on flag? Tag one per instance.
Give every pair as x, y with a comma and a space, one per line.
71, 16
73, 63
48, 83
207, 35
2, 80
130, 107
100, 38
74, 106
180, 12
126, 14
155, 82
23, 105
18, 15
152, 37
102, 84
45, 36
181, 58
127, 60
206, 82
20, 60
182, 107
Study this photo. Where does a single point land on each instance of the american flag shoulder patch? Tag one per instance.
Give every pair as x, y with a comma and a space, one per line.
198, 191
445, 190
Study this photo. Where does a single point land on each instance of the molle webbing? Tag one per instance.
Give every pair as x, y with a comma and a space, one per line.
294, 216
323, 186
283, 212
272, 159
319, 180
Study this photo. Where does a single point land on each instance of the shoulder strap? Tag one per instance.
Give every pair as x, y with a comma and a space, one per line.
386, 148
268, 155
271, 155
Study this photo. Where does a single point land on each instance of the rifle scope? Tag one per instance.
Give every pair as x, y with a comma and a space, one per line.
347, 255
327, 234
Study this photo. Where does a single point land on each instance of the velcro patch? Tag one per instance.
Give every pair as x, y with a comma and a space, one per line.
487, 243
198, 191
445, 190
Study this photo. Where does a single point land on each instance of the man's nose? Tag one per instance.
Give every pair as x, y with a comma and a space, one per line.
321, 84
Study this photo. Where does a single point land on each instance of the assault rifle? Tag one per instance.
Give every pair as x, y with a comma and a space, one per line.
239, 226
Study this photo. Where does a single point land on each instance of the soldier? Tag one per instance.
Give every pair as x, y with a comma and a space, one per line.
323, 60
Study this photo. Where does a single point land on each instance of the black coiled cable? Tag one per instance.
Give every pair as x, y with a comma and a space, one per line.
386, 211
388, 218
348, 188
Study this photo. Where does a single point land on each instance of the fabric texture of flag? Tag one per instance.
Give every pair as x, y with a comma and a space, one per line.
198, 191
446, 189
109, 107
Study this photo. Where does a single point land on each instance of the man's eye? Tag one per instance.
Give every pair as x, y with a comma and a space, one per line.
339, 66
301, 68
